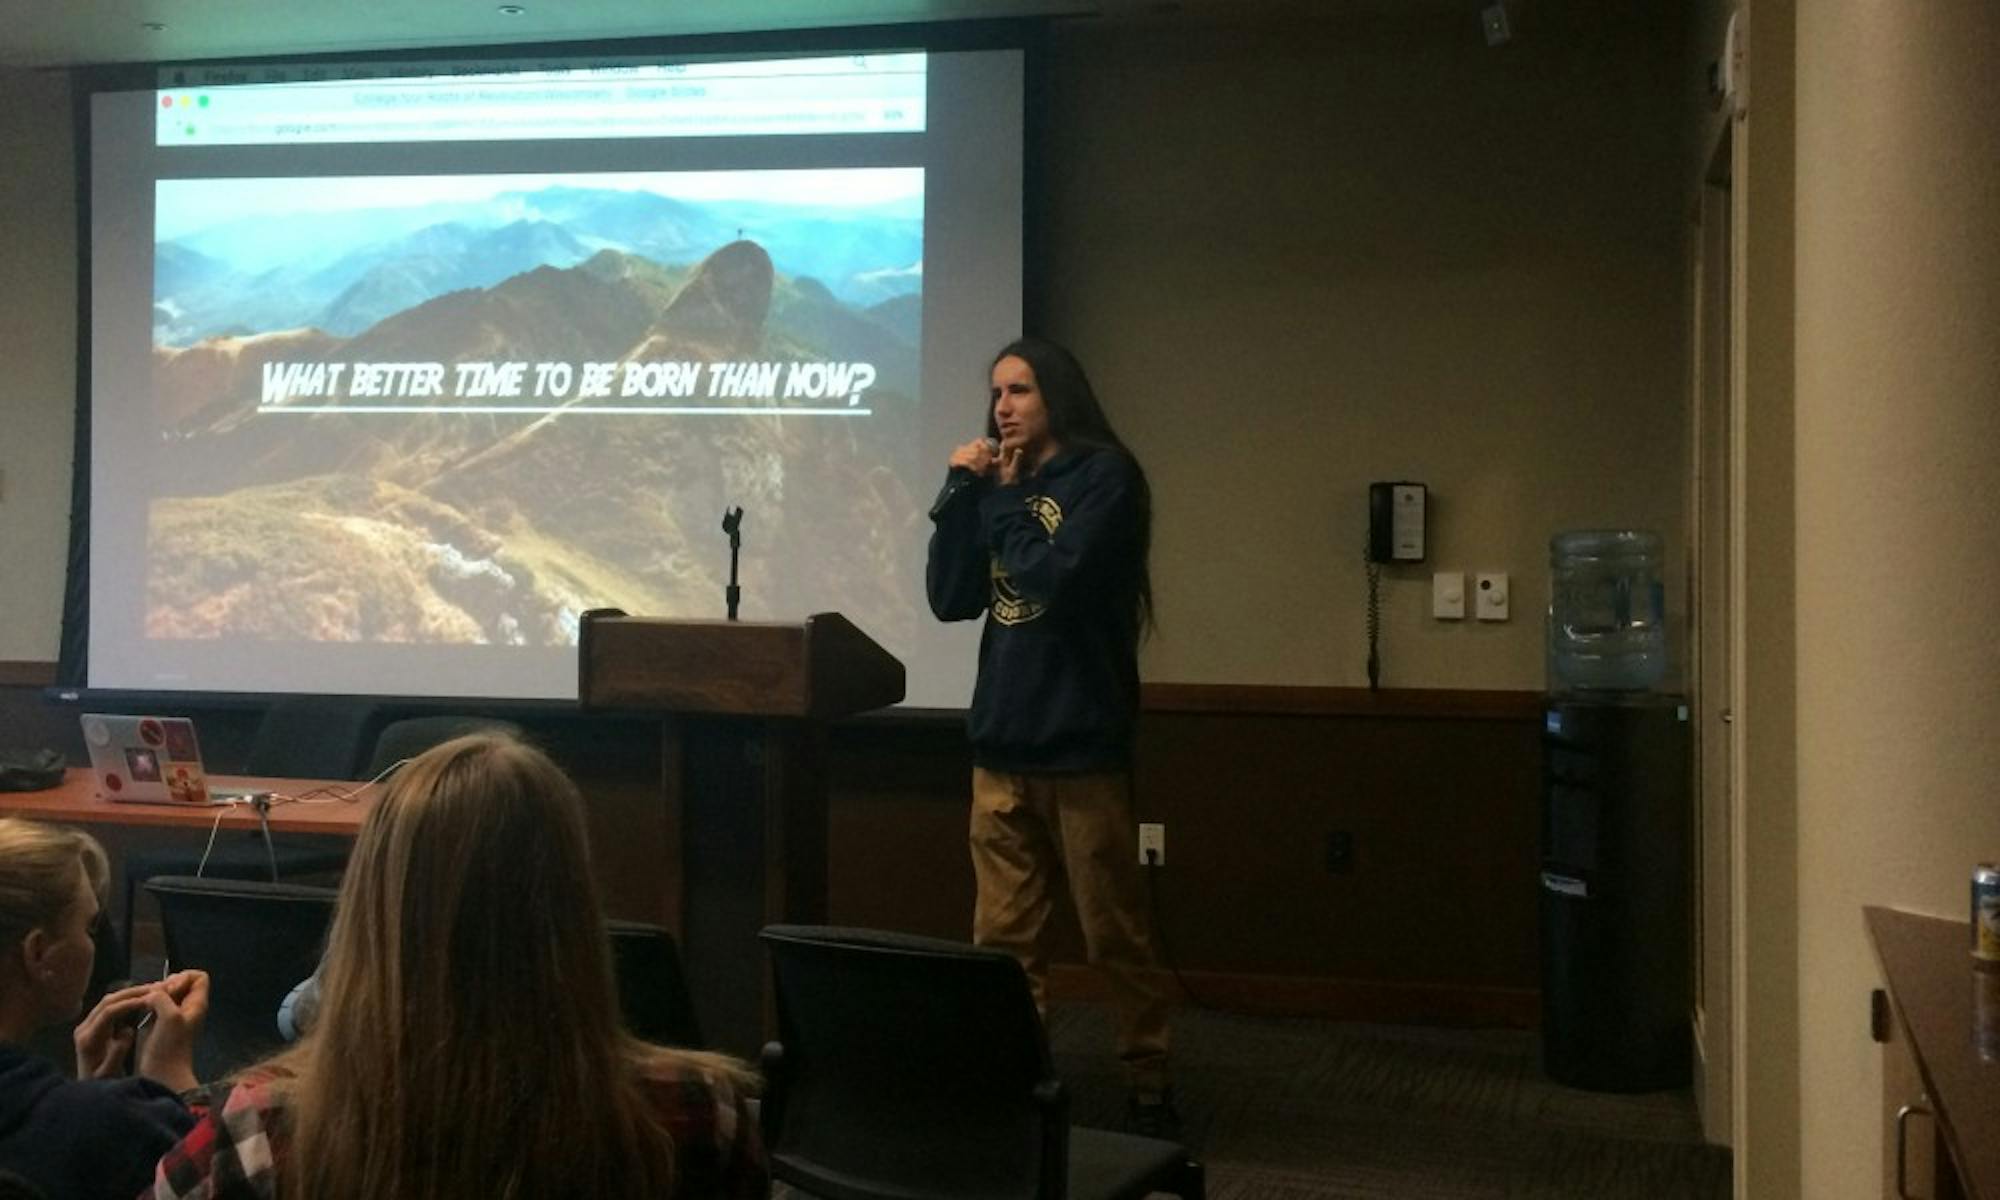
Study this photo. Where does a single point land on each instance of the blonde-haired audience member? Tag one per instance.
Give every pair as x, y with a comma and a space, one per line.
468, 1041
101, 1133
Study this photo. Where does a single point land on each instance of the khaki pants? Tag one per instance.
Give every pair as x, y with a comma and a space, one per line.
1028, 832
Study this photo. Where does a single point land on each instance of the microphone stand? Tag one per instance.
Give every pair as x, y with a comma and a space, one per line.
732, 524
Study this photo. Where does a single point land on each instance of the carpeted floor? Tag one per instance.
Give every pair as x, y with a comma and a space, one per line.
1288, 1109
1312, 1110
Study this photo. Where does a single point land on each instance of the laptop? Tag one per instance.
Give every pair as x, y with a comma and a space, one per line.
151, 760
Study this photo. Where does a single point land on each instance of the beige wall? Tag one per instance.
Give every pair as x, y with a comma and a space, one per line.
1300, 257
37, 358
1867, 288
1898, 426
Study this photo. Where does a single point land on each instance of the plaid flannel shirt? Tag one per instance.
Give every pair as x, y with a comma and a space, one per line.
234, 1149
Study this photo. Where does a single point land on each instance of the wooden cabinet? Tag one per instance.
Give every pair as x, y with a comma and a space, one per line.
1909, 1123
1940, 1094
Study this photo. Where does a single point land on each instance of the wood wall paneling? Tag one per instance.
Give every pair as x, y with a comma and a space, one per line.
27, 674
1435, 921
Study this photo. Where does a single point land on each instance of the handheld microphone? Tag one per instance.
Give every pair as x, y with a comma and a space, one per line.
957, 481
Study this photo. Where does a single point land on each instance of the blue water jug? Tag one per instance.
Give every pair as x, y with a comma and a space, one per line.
1607, 612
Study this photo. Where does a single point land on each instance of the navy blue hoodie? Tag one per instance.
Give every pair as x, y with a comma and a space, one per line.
83, 1139
1054, 563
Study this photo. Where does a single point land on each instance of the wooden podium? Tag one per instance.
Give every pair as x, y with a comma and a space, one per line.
744, 707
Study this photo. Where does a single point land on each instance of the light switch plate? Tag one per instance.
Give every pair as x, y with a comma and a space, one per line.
1448, 595
1490, 592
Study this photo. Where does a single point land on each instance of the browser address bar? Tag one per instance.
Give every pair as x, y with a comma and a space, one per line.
879, 94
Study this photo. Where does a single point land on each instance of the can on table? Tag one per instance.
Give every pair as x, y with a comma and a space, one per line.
1986, 1014
1986, 913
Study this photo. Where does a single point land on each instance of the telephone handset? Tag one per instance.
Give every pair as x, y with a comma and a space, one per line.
1396, 522
1395, 535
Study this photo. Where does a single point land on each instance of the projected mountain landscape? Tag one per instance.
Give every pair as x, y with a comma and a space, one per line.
343, 272
455, 527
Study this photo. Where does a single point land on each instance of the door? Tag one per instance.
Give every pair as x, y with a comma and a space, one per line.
1712, 671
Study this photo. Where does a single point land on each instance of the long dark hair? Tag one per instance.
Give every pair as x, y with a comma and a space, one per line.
1077, 420
468, 1041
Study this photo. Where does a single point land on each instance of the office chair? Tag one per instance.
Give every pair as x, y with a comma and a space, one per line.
412, 736
300, 737
909, 1066
652, 987
313, 737
256, 940
14, 1187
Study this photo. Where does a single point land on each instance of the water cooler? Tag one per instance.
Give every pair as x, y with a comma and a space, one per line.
1616, 866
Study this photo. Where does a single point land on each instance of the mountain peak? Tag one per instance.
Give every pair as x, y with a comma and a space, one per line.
724, 304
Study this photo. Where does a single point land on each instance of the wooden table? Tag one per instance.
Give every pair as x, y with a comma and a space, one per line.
77, 801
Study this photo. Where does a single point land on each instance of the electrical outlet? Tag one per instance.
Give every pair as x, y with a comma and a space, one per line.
1339, 852
1152, 844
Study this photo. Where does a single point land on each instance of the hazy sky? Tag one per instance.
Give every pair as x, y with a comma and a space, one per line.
186, 206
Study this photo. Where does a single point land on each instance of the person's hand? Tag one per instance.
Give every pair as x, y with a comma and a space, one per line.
180, 1005
1010, 464
104, 1037
975, 456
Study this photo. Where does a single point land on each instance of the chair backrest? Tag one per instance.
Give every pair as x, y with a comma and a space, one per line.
256, 941
412, 736
908, 1066
312, 737
652, 987
14, 1187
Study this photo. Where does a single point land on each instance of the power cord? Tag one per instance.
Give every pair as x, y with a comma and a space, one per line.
221, 811
1374, 622
1160, 931
262, 803
327, 795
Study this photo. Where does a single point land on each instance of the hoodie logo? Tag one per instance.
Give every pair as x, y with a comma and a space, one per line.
1009, 606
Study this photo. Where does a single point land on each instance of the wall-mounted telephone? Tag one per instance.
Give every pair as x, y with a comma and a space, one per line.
1396, 522
1395, 535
